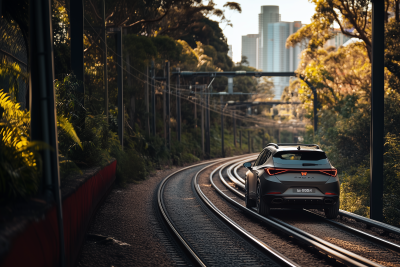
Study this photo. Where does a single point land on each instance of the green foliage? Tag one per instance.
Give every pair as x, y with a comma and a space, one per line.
94, 136
167, 48
70, 118
391, 205
354, 192
12, 72
20, 162
342, 78
61, 47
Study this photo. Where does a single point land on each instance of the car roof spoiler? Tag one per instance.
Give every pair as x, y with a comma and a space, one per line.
292, 144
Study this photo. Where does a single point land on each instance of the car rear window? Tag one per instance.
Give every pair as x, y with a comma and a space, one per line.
300, 155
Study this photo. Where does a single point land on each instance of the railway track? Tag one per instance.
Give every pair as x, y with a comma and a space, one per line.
200, 201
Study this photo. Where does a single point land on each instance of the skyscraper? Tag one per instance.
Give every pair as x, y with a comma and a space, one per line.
250, 49
272, 53
280, 58
269, 14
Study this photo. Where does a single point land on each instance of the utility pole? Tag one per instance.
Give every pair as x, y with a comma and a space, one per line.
42, 103
248, 141
77, 56
153, 99
234, 127
222, 126
146, 99
168, 104
178, 105
120, 82
202, 96
132, 96
377, 110
105, 75
208, 138
240, 139
207, 120
195, 106
165, 111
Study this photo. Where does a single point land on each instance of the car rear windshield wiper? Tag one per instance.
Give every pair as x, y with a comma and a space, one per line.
310, 164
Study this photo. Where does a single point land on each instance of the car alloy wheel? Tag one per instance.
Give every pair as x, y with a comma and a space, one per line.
249, 202
262, 207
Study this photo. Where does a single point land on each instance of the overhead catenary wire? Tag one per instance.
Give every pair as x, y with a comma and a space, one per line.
247, 118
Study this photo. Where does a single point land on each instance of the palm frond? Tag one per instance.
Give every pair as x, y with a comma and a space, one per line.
64, 124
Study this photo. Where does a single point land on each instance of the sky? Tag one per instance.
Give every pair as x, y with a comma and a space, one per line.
247, 21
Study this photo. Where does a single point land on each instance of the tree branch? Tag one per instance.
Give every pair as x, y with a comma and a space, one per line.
149, 21
95, 11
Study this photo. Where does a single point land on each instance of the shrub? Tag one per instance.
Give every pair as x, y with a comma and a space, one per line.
20, 162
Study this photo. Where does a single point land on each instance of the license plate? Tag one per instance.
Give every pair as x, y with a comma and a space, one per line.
303, 190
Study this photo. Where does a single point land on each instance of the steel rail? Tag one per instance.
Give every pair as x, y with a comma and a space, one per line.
370, 222
334, 251
375, 239
167, 218
282, 260
236, 173
238, 182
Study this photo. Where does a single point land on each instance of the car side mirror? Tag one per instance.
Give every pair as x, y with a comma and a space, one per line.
247, 165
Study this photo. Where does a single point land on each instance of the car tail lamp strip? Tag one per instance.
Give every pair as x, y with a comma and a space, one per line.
274, 193
275, 171
330, 194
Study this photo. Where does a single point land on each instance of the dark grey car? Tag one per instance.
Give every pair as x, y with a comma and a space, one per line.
292, 176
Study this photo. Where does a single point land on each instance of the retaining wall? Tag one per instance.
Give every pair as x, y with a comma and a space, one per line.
37, 240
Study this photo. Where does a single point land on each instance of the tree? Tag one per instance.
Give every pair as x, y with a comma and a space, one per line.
354, 19
244, 61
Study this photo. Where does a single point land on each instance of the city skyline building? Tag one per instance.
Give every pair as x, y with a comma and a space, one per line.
279, 58
250, 49
267, 50
273, 54
269, 14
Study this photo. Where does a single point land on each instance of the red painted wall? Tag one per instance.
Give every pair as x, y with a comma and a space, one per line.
38, 244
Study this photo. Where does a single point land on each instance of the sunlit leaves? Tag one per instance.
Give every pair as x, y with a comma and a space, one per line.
19, 166
12, 72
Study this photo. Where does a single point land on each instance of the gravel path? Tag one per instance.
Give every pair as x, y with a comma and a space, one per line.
128, 215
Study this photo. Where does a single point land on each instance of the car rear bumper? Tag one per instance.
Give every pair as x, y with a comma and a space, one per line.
310, 202
284, 195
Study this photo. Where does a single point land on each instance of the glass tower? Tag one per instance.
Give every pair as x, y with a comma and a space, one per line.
273, 54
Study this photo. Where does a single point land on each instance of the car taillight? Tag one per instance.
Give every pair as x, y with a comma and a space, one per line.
275, 171
330, 194
330, 172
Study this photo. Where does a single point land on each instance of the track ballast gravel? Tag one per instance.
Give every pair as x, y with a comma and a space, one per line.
292, 250
214, 242
322, 229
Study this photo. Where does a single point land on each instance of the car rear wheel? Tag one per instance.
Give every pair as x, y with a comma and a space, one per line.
249, 202
262, 207
333, 212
